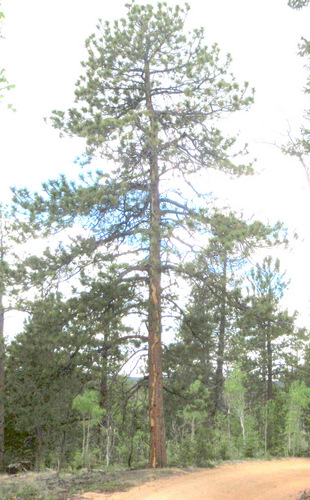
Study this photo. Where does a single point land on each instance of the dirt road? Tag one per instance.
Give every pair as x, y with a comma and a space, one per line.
272, 480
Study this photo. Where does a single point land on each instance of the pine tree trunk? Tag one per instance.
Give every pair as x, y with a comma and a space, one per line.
219, 376
264, 371
269, 386
104, 402
108, 447
87, 445
38, 450
229, 424
242, 423
104, 377
62, 450
1, 383
193, 429
269, 364
156, 410
266, 428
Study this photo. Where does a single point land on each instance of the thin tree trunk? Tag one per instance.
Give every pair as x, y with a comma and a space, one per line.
269, 365
193, 429
264, 376
2, 349
242, 423
219, 377
87, 445
289, 440
2, 388
158, 456
268, 430
104, 377
62, 450
38, 451
266, 410
104, 402
229, 424
84, 440
109, 444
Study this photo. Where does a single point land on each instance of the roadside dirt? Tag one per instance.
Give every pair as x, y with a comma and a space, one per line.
284, 479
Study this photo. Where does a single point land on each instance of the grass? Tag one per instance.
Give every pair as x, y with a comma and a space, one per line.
66, 486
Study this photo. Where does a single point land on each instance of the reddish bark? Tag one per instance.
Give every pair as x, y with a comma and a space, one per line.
158, 457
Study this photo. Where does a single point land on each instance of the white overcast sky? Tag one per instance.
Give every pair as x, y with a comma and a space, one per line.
42, 52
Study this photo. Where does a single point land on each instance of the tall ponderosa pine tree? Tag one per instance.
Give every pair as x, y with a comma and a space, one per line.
146, 102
